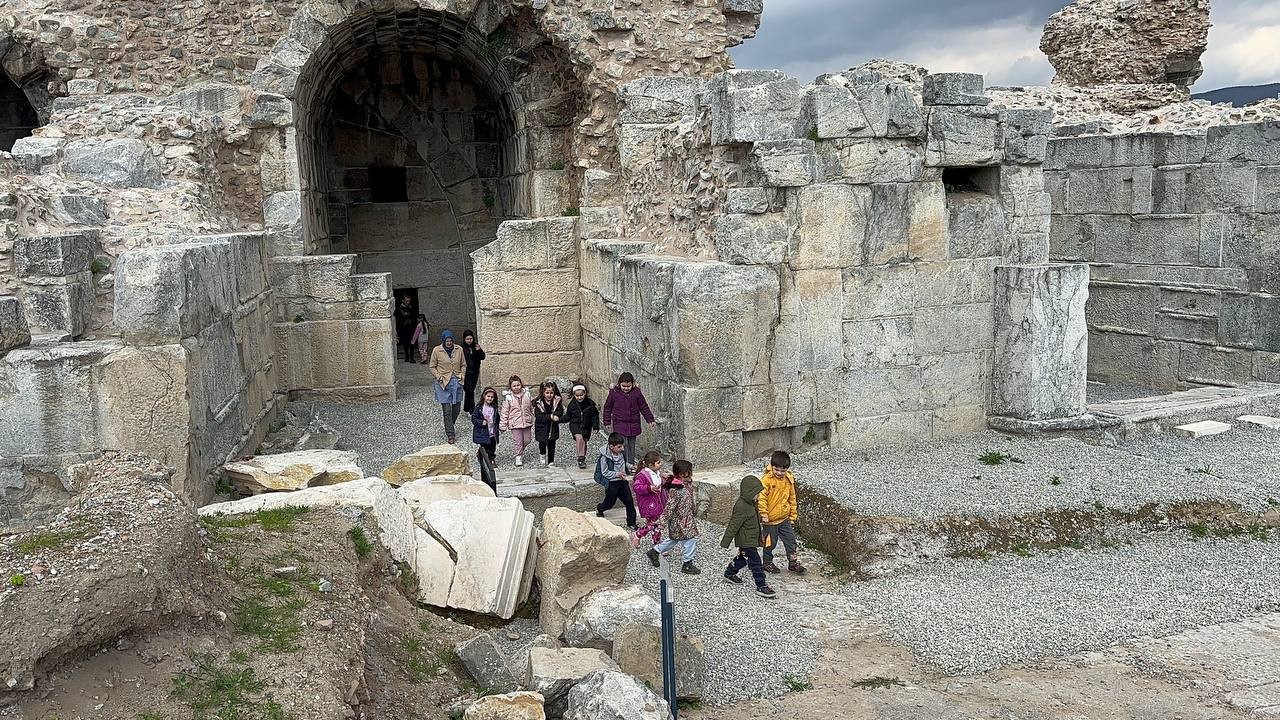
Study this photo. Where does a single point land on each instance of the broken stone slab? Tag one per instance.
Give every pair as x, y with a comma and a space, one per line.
1271, 423
954, 89
57, 255
509, 706
428, 462
293, 470
1204, 428
552, 673
580, 553
613, 695
490, 547
13, 324
596, 618
486, 664
637, 648
395, 520
33, 153
424, 491
119, 162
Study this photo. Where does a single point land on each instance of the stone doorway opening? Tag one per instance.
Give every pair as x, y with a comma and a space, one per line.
417, 136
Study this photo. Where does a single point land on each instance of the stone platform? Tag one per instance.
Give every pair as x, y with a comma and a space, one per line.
1128, 419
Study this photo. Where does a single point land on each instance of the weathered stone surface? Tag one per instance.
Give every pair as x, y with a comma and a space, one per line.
831, 226
171, 292
1026, 134
864, 161
486, 665
659, 99
54, 255
1265, 421
954, 89
637, 648
59, 305
424, 491
80, 210
1113, 41
960, 136
615, 695
752, 239
13, 324
511, 706
554, 672
786, 163
750, 201
1204, 428
118, 163
596, 618
490, 543
1041, 342
580, 553
754, 105
33, 153
428, 462
293, 470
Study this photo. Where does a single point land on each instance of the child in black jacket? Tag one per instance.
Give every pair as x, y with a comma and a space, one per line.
584, 418
548, 413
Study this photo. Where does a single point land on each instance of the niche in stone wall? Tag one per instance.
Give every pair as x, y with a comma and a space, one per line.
975, 219
17, 115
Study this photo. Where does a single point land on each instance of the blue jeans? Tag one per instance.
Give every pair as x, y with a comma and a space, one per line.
690, 546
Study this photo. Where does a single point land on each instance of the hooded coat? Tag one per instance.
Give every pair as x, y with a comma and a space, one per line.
481, 433
517, 410
777, 503
679, 517
650, 500
547, 417
743, 529
623, 411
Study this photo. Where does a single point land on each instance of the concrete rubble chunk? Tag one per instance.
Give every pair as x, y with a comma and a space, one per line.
614, 695
553, 672
486, 665
57, 255
428, 462
580, 553
595, 620
1271, 423
509, 706
13, 324
637, 648
119, 163
954, 89
293, 470
490, 552
1204, 428
1092, 42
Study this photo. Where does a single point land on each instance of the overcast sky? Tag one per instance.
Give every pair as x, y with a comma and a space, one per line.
998, 38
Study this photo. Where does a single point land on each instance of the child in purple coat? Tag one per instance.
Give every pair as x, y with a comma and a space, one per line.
650, 499
623, 409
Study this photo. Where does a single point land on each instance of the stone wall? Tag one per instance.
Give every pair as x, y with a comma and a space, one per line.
1181, 232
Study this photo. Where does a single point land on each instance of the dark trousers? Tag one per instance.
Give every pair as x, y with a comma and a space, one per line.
469, 394
619, 490
450, 413
749, 558
491, 448
783, 534
409, 350
547, 448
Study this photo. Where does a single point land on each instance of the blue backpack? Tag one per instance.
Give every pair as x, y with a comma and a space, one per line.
613, 470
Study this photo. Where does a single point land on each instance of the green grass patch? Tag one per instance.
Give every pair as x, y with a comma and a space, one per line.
17, 580
276, 627
224, 693
1022, 549
796, 684
689, 704
813, 133
1198, 530
360, 541
278, 520
878, 682
1055, 480
35, 542
572, 212
997, 458
423, 665
406, 579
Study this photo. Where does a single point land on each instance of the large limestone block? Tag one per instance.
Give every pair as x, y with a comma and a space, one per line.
293, 470
960, 136
786, 163
614, 695
508, 331
848, 110
171, 292
580, 553
510, 706
60, 305
1093, 42
356, 356
752, 239
595, 620
1026, 134
434, 567
424, 491
717, 489
637, 648
720, 309
120, 163
1041, 341
553, 672
428, 462
871, 160
491, 541
954, 89
486, 665
33, 153
13, 324
832, 226
54, 255
755, 105
530, 245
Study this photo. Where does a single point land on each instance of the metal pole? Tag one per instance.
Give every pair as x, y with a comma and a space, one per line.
668, 635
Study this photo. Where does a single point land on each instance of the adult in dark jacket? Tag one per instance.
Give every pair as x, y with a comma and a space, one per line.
406, 320
623, 409
475, 356
584, 418
548, 413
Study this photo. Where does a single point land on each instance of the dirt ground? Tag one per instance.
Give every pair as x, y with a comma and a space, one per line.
307, 628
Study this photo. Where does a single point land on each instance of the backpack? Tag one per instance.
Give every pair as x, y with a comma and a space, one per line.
599, 477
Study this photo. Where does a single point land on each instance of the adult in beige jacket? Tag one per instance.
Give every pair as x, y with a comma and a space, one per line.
449, 366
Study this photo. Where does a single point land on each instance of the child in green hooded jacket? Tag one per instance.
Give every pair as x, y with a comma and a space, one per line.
744, 531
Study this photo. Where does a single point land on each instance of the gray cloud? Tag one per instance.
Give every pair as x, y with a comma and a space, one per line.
999, 38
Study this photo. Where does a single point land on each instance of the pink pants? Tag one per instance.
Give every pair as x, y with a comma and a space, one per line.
522, 437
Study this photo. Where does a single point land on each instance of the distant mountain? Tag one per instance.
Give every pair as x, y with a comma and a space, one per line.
1240, 95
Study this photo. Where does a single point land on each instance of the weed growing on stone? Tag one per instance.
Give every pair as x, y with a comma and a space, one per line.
277, 627
362, 544
422, 665
36, 542
795, 684
557, 166
689, 704
994, 457
1206, 470
224, 693
406, 579
17, 580
1097, 505
1055, 480
572, 212
1198, 530
878, 682
99, 266
813, 133
298, 319
1022, 549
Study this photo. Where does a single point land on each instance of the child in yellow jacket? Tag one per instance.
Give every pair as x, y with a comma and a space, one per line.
778, 512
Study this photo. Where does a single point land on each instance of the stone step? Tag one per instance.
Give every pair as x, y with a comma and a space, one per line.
1266, 421
1123, 421
1204, 428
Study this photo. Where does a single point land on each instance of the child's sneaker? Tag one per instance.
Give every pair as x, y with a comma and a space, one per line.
732, 579
519, 461
766, 592
635, 541
654, 557
769, 567
582, 463
795, 567
690, 569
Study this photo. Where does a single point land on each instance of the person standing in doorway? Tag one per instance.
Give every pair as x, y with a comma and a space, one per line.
449, 366
422, 339
406, 320
475, 356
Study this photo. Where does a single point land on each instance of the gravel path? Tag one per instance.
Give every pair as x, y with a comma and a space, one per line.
752, 644
948, 477
971, 616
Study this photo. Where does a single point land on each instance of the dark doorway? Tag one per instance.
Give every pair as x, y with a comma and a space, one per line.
17, 117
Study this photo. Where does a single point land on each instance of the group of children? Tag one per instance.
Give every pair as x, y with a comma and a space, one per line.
764, 514
528, 417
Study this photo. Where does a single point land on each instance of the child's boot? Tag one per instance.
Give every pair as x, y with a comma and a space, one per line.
731, 577
690, 569
654, 557
793, 565
582, 462
766, 592
769, 567
519, 460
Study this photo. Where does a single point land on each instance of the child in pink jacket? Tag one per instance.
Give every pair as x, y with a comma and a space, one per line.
650, 499
517, 416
